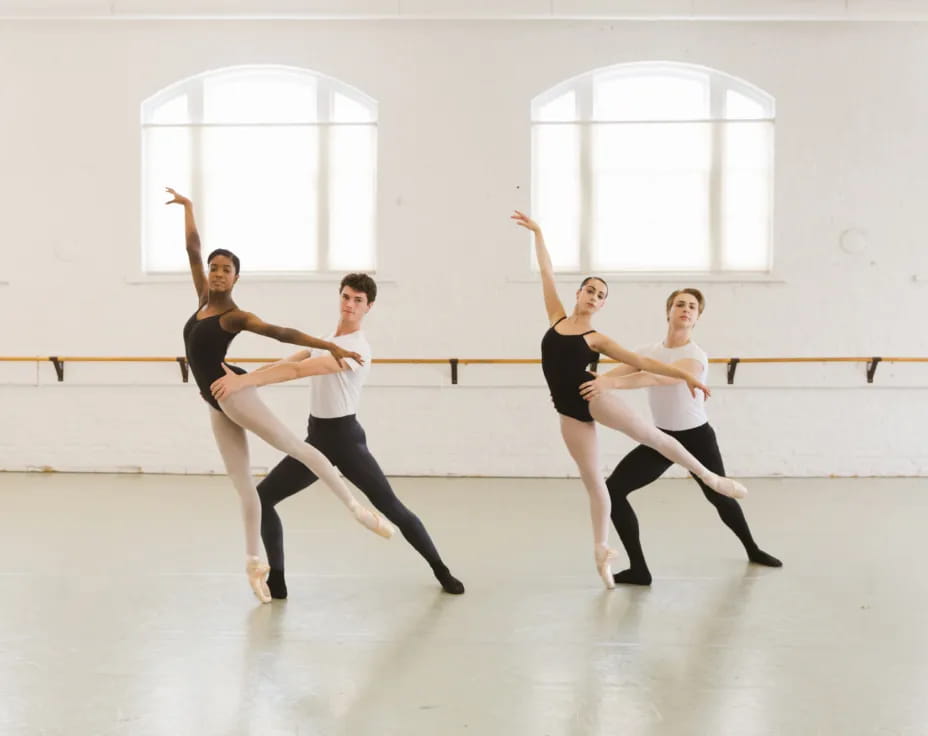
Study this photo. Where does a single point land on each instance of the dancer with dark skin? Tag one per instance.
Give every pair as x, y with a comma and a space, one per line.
207, 335
333, 428
680, 415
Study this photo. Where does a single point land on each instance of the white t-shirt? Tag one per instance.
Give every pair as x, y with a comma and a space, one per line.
673, 407
338, 394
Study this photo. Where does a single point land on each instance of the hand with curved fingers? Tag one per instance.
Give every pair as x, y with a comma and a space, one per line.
229, 384
340, 354
693, 385
525, 221
176, 198
599, 385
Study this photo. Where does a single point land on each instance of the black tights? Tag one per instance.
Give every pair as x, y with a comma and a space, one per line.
344, 443
643, 466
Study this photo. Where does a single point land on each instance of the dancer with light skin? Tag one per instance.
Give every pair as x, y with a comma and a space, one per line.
680, 415
567, 349
207, 335
333, 428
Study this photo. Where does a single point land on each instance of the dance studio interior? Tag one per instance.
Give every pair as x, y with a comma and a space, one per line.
632, 288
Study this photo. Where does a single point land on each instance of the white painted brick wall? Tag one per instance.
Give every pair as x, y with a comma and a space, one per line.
454, 160
466, 430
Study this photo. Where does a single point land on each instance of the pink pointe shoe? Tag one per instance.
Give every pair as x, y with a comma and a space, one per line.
604, 555
257, 571
374, 521
727, 487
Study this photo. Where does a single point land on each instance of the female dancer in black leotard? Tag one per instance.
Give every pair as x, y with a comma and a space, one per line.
567, 349
207, 335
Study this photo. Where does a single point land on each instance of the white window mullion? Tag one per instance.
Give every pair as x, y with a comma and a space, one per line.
716, 173
325, 103
587, 174
195, 108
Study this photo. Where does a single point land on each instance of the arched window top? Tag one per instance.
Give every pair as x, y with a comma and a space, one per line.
259, 94
652, 91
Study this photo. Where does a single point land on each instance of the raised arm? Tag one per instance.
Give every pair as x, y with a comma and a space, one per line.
553, 305
603, 344
239, 321
193, 244
279, 372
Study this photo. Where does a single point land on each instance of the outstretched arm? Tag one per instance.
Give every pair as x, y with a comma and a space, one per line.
238, 321
295, 358
279, 372
553, 305
193, 243
621, 380
642, 379
603, 344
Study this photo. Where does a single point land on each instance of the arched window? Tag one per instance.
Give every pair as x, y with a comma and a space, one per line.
654, 167
279, 162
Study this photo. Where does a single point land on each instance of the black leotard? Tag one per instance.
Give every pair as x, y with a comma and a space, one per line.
564, 360
205, 343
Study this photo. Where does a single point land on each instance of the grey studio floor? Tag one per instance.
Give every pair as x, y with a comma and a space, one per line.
124, 611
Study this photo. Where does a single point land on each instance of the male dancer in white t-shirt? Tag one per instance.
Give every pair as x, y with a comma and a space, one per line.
333, 430
679, 414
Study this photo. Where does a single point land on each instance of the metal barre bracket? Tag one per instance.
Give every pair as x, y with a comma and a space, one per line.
454, 371
59, 367
184, 372
732, 367
871, 368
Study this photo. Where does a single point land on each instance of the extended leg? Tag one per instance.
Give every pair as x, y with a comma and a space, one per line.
246, 409
613, 412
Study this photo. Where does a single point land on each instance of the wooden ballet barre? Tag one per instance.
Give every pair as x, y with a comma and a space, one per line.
59, 360
453, 363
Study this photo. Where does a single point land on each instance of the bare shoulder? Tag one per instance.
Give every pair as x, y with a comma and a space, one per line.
237, 320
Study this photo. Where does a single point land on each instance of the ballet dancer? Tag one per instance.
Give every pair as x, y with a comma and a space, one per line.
333, 428
565, 355
207, 335
680, 415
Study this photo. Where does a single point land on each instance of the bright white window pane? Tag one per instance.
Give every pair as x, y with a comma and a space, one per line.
556, 192
748, 145
347, 110
650, 207
352, 190
560, 109
166, 163
746, 226
260, 190
746, 196
260, 97
173, 111
741, 107
650, 97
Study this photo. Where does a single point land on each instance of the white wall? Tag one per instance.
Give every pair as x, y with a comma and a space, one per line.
454, 160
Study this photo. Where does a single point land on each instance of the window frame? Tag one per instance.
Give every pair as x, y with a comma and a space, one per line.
194, 87
719, 84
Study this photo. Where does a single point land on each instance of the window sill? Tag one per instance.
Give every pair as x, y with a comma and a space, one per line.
334, 277
676, 278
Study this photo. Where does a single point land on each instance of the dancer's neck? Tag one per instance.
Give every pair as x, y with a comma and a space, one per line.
677, 338
346, 327
581, 322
